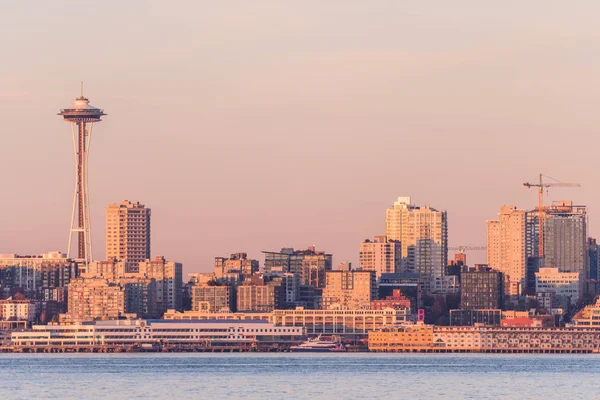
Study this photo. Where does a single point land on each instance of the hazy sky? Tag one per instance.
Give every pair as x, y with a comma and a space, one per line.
255, 125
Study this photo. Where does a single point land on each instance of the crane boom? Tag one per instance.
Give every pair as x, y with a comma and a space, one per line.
540, 208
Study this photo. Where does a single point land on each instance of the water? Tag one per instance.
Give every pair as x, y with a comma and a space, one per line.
298, 376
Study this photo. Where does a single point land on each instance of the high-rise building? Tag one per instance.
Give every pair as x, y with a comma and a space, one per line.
128, 233
423, 232
565, 236
481, 288
380, 255
507, 247
593, 258
349, 290
310, 264
169, 282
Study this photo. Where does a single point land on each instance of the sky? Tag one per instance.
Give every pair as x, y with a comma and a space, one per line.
255, 125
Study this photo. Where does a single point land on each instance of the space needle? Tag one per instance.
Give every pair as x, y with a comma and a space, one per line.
82, 117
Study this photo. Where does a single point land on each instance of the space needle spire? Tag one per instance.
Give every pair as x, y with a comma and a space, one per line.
82, 117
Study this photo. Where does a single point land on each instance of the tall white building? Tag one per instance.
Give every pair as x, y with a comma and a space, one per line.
128, 233
423, 232
507, 247
381, 255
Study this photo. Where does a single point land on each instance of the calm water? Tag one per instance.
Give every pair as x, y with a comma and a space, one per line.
284, 376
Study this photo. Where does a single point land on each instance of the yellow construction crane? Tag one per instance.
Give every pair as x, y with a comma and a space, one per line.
541, 185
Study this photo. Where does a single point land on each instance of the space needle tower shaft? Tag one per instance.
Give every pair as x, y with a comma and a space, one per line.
82, 117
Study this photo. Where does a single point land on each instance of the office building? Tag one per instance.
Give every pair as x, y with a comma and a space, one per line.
381, 256
128, 233
481, 288
423, 233
349, 290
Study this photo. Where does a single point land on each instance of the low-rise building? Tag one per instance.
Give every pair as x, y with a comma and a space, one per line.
215, 298
462, 317
401, 338
327, 322
257, 295
396, 301
98, 298
339, 322
589, 316
407, 283
139, 332
486, 339
18, 308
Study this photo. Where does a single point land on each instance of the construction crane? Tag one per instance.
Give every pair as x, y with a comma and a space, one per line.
541, 185
462, 249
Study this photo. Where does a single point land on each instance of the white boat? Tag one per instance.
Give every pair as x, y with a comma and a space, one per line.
320, 344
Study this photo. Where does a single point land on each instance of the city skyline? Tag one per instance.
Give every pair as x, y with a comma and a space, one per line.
305, 141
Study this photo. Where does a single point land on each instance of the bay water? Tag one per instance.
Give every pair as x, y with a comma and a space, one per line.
298, 376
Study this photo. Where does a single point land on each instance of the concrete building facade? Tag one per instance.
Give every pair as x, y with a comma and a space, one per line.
211, 297
423, 233
310, 264
381, 256
237, 262
566, 287
507, 247
349, 290
169, 282
128, 233
565, 237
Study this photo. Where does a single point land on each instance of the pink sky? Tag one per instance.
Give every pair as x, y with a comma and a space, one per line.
259, 125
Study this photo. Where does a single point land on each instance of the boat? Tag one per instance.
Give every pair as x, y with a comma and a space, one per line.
320, 344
